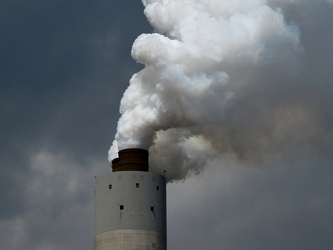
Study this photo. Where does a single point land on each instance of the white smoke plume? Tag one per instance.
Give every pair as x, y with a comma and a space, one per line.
221, 77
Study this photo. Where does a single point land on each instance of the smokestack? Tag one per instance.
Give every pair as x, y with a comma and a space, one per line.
130, 205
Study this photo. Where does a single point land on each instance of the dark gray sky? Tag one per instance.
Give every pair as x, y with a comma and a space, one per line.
64, 66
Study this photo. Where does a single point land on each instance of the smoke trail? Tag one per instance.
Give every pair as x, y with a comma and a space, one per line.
220, 77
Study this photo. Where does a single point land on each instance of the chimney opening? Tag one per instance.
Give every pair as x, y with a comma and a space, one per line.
131, 159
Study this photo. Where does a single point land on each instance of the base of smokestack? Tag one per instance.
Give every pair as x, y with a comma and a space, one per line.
131, 159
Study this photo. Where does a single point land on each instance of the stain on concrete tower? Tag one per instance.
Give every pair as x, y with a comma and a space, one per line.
130, 205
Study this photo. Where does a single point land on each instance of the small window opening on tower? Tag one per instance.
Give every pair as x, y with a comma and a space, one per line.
158, 188
121, 207
152, 209
110, 186
137, 185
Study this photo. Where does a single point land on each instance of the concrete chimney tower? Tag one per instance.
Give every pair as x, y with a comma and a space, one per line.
130, 205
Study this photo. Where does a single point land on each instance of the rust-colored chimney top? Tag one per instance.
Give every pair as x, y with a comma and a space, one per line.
131, 159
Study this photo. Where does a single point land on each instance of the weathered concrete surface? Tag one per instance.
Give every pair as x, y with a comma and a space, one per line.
130, 240
130, 211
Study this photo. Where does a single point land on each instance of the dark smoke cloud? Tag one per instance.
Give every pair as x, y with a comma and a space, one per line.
285, 206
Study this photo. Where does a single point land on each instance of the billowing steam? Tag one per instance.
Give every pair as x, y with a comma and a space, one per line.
221, 77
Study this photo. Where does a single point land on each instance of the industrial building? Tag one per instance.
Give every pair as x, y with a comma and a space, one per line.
130, 205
